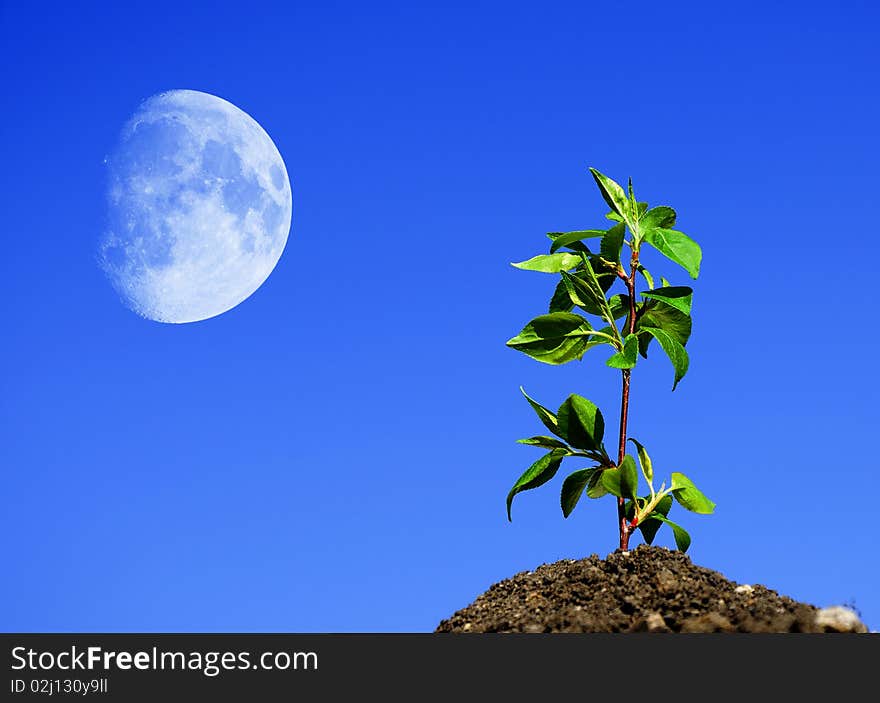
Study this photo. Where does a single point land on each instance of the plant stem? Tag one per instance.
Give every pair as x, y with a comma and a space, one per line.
625, 528
621, 452
613, 340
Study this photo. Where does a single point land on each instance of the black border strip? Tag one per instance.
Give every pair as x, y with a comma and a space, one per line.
416, 667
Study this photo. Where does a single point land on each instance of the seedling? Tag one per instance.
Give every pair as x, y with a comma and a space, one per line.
663, 313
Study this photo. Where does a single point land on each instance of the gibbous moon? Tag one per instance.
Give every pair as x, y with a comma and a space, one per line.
199, 208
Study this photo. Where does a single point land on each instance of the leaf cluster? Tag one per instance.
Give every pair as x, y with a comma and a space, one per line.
566, 331
585, 313
578, 429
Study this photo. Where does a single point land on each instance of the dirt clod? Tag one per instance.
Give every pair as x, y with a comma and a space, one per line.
648, 589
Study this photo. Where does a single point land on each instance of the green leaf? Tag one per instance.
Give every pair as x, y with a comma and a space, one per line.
649, 279
626, 359
629, 477
561, 300
682, 538
676, 246
612, 243
586, 294
573, 488
544, 441
613, 195
650, 524
689, 496
674, 350
599, 341
619, 305
536, 475
555, 338
603, 274
586, 291
595, 489
567, 239
621, 481
610, 481
660, 216
581, 423
678, 297
664, 317
617, 218
554, 351
605, 330
550, 263
547, 417
579, 292
645, 462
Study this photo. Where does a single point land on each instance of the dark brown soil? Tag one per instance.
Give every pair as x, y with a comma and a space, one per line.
648, 589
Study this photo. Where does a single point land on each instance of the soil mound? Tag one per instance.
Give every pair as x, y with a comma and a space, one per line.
648, 589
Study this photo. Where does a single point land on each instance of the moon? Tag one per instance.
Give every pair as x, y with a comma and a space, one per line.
199, 208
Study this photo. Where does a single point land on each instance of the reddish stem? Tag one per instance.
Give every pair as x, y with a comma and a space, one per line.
625, 527
624, 410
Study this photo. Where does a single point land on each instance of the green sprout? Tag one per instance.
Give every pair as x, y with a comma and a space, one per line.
662, 313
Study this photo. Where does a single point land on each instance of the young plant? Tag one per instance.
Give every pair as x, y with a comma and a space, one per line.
662, 313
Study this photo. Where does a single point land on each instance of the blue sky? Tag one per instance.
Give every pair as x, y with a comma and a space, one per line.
333, 454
